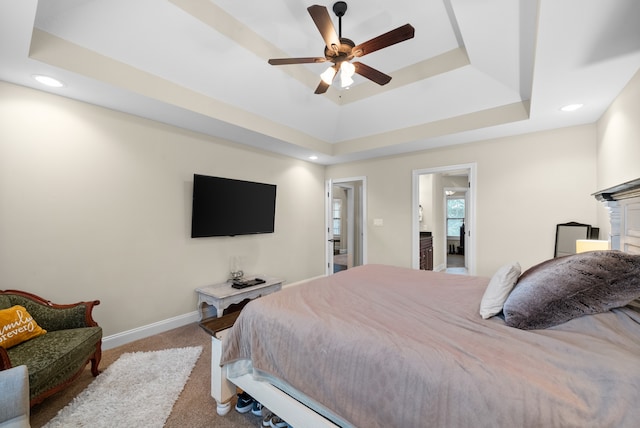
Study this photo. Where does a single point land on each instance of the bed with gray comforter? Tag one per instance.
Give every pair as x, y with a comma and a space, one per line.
383, 346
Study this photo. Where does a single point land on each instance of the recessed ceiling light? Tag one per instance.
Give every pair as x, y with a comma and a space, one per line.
313, 157
572, 107
49, 81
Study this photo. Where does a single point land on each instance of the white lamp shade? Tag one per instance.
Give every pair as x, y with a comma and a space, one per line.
347, 68
583, 245
346, 72
328, 75
345, 81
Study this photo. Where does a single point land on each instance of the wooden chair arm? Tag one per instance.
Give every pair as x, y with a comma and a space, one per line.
5, 362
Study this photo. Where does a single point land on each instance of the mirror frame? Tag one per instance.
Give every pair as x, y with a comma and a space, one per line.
574, 228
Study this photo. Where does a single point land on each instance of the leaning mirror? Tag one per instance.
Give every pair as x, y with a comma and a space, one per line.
566, 236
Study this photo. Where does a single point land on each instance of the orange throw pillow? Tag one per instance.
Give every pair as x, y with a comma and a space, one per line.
17, 326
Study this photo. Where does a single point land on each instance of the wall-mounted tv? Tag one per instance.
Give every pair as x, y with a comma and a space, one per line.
228, 207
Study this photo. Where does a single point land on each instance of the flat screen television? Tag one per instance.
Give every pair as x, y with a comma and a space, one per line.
228, 207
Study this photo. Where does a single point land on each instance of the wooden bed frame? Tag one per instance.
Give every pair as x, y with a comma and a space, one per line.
623, 203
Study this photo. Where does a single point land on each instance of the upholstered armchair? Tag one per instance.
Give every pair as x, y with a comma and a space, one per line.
55, 358
14, 400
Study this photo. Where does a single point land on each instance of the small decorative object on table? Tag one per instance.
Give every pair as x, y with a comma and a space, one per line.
235, 268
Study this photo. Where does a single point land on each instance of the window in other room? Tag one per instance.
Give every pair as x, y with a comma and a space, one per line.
337, 220
455, 216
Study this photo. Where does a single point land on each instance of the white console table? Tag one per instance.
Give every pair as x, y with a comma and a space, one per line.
221, 296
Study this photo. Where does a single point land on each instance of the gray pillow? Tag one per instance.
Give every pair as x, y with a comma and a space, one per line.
564, 288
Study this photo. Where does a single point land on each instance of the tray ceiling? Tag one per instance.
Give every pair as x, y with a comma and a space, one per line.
473, 71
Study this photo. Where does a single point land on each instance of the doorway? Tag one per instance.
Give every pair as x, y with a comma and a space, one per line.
444, 207
346, 234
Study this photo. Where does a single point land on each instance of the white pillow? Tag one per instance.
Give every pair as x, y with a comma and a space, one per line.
498, 289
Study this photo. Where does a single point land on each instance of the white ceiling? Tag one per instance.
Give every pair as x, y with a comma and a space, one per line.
475, 69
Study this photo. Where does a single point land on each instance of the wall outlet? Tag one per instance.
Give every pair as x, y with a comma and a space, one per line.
378, 222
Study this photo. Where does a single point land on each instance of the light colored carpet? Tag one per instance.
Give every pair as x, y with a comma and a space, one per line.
194, 408
139, 389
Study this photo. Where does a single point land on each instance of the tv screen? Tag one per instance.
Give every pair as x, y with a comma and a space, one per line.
228, 207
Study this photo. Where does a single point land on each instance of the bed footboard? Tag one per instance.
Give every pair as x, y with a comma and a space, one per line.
222, 390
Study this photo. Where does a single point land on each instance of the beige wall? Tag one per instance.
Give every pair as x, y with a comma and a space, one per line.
96, 204
619, 142
525, 186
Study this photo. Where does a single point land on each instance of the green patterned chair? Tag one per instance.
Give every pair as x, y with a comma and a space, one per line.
56, 358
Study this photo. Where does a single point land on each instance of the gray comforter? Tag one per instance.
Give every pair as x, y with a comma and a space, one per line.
384, 346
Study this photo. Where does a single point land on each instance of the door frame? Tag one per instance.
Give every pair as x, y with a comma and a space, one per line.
350, 216
470, 227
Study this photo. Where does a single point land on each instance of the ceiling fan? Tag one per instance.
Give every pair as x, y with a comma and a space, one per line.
340, 51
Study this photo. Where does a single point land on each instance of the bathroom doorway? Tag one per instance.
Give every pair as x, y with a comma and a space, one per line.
444, 208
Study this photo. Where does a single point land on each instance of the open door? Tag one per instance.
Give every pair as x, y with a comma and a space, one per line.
345, 214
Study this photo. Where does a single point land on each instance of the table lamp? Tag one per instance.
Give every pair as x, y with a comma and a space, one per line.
583, 245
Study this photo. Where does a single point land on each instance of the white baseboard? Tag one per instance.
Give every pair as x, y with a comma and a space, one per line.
292, 284
128, 336
119, 339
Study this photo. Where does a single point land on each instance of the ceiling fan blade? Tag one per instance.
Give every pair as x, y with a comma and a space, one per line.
392, 37
322, 87
286, 61
321, 17
371, 73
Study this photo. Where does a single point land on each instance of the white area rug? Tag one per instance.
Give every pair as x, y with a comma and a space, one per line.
137, 390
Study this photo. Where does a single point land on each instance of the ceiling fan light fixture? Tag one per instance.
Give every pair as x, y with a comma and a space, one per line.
345, 81
347, 70
328, 75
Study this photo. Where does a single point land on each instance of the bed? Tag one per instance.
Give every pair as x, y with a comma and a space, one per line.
388, 346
